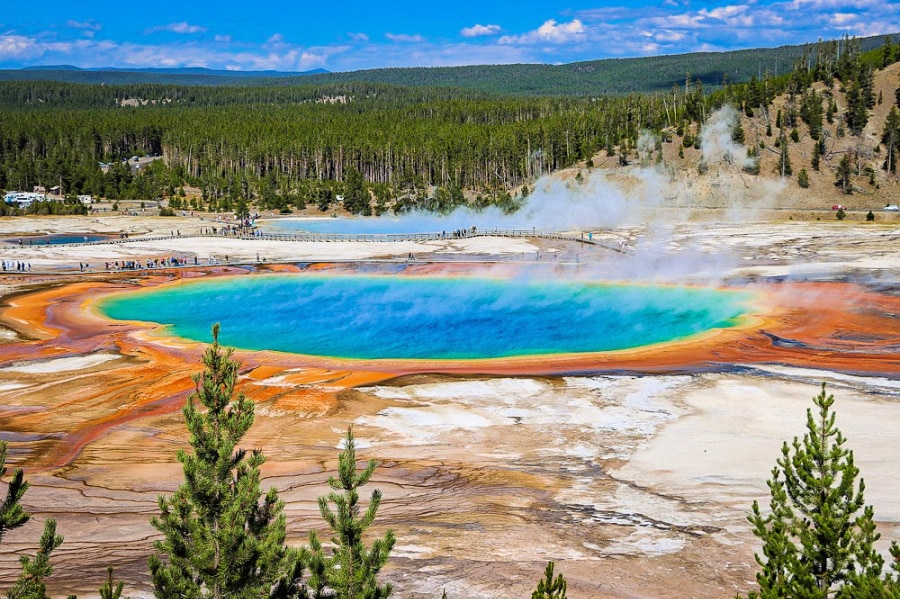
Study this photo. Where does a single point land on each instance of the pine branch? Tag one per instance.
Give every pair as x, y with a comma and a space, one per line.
12, 514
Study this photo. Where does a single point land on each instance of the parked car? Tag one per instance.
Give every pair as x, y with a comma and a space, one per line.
837, 207
892, 208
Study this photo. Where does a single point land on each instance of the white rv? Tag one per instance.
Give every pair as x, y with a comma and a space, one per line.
24, 198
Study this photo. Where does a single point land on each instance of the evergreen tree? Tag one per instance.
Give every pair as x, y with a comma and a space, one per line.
866, 78
12, 514
816, 155
737, 134
351, 571
356, 195
857, 115
548, 588
784, 160
844, 172
887, 52
30, 584
220, 540
811, 112
111, 589
818, 537
890, 137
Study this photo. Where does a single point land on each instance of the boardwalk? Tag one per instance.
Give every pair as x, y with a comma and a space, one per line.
164, 253
373, 237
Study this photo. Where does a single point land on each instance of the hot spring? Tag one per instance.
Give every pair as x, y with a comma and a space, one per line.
438, 318
355, 226
58, 239
406, 224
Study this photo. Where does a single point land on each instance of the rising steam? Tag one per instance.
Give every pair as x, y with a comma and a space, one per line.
651, 196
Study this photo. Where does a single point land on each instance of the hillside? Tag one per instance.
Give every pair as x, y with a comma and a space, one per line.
614, 76
668, 174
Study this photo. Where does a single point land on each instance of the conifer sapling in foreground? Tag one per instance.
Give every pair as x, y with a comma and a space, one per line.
351, 571
30, 584
818, 535
222, 537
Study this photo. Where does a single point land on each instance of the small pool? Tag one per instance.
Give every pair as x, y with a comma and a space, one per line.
58, 239
424, 223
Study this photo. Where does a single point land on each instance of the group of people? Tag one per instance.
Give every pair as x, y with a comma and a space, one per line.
149, 263
224, 231
9, 265
459, 233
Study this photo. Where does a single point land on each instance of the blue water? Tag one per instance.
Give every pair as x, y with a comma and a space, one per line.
372, 317
355, 226
56, 239
412, 223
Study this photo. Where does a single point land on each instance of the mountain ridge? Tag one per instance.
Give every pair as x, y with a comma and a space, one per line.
615, 76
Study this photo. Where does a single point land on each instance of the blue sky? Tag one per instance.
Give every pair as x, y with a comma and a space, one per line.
351, 34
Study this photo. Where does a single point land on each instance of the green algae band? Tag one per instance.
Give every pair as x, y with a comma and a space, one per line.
386, 317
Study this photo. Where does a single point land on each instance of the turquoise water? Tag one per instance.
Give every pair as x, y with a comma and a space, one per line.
385, 317
418, 223
57, 239
355, 226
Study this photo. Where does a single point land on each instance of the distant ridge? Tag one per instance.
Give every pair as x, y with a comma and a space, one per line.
61, 67
612, 76
180, 71
127, 76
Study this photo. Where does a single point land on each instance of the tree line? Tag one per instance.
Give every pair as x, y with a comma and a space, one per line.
284, 147
287, 153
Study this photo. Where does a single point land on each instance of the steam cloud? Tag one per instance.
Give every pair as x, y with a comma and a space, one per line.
650, 196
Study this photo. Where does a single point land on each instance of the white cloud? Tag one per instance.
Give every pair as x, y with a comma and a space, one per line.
16, 46
732, 16
186, 28
182, 28
225, 39
358, 37
724, 12
665, 35
840, 19
311, 60
723, 16
275, 39
101, 53
688, 21
480, 30
829, 5
405, 38
429, 55
89, 25
760, 23
550, 31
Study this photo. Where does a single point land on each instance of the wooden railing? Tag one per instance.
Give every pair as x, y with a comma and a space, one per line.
365, 237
